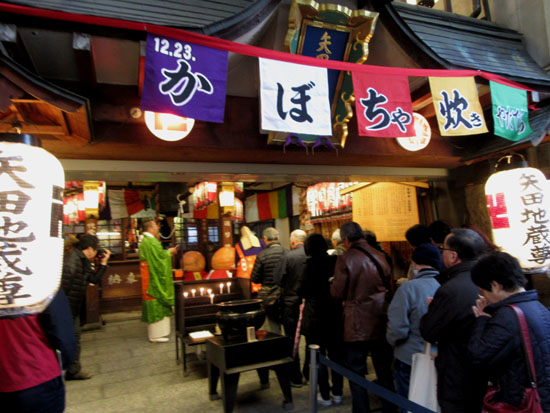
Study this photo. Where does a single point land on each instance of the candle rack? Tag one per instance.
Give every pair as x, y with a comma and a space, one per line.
198, 313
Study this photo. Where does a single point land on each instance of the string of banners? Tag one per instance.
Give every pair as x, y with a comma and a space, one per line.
189, 80
186, 75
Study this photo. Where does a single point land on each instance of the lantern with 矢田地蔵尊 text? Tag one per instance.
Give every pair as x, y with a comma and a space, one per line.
31, 218
519, 206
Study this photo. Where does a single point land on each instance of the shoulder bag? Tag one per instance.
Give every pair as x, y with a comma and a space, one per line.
385, 282
531, 398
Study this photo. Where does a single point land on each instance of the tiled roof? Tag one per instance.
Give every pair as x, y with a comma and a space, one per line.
463, 42
191, 14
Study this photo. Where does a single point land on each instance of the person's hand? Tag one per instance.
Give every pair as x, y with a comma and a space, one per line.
479, 308
429, 300
173, 250
105, 258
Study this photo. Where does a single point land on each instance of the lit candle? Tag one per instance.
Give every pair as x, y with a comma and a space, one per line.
211, 298
228, 287
201, 290
185, 294
209, 291
221, 288
193, 291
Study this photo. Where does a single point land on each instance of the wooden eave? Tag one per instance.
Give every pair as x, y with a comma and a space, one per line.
32, 105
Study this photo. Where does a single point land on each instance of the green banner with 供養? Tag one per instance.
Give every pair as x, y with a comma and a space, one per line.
510, 113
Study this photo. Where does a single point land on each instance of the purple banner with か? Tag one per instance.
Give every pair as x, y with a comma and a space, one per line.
184, 79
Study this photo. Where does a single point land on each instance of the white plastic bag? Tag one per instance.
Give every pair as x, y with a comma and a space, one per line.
423, 384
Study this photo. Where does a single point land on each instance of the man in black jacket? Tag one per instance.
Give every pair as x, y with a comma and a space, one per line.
78, 272
289, 275
449, 323
263, 273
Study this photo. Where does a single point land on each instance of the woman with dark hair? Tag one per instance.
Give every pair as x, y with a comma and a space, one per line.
497, 343
322, 317
418, 234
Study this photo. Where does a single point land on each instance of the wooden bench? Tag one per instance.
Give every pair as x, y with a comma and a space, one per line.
199, 313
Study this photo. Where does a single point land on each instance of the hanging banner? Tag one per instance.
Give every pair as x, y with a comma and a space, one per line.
324, 199
294, 98
517, 200
510, 112
457, 106
383, 106
131, 203
184, 79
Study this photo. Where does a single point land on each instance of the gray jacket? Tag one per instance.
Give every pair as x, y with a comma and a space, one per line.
405, 311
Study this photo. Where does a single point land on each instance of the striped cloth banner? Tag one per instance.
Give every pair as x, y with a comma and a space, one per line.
269, 205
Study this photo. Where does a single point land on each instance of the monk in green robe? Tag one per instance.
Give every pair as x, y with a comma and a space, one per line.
158, 286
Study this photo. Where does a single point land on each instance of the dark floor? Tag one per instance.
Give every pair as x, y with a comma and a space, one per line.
132, 375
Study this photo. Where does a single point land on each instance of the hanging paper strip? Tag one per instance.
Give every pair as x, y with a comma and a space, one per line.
510, 112
457, 106
294, 98
383, 106
251, 209
81, 207
184, 79
238, 211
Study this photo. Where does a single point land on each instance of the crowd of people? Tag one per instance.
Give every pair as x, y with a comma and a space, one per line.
461, 295
456, 296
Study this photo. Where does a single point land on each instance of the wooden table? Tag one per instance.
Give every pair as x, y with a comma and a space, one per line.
232, 357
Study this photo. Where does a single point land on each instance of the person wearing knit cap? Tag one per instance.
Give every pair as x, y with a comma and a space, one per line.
406, 309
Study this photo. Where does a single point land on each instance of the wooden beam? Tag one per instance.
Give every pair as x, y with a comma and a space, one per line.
34, 129
362, 185
354, 188
73, 139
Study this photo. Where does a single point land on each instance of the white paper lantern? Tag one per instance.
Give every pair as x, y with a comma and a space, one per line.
31, 218
519, 206
168, 127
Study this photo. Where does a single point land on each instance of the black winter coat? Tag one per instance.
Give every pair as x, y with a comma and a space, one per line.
289, 274
449, 323
322, 317
77, 274
265, 264
496, 345
57, 323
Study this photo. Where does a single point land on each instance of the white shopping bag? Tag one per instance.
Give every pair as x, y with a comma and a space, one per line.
423, 384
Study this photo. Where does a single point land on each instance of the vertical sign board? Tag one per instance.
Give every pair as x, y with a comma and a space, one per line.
31, 219
517, 200
387, 209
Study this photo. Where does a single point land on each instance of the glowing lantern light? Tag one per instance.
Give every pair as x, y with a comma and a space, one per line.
91, 198
518, 201
227, 194
31, 213
422, 135
168, 127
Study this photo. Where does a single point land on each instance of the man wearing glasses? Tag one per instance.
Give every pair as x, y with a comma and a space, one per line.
449, 322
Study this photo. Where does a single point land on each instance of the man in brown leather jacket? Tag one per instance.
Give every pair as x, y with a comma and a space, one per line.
359, 284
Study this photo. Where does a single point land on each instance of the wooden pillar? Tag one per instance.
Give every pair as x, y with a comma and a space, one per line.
226, 230
202, 232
